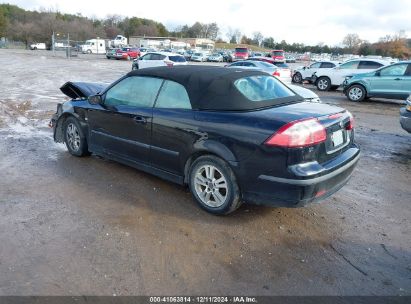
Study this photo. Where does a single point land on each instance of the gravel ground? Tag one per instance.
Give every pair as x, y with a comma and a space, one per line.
90, 226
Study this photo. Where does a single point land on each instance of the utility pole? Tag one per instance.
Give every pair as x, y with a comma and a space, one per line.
52, 45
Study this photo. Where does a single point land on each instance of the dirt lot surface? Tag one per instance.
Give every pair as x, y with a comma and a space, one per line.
74, 226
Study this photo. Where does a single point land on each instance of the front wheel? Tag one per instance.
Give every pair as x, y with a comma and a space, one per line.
323, 84
74, 138
356, 93
214, 186
297, 78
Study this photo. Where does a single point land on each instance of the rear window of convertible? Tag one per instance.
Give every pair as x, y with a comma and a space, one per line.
262, 88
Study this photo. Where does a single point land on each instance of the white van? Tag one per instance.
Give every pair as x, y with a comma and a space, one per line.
95, 46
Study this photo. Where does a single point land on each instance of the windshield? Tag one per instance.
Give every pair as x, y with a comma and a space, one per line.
241, 50
278, 53
262, 88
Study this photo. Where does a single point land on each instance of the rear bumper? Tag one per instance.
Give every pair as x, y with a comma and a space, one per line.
405, 119
310, 184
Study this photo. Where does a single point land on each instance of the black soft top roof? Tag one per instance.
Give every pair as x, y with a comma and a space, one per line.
210, 87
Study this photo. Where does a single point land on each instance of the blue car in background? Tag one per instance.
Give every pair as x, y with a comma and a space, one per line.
393, 81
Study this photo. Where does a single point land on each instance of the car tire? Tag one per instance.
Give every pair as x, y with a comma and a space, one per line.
356, 93
214, 186
35, 48
88, 51
323, 83
297, 78
74, 138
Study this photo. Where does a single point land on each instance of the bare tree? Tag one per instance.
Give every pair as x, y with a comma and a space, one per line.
238, 35
258, 38
352, 42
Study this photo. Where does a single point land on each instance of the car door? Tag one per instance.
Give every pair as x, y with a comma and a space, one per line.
406, 83
144, 61
310, 70
389, 81
157, 60
339, 73
173, 132
121, 127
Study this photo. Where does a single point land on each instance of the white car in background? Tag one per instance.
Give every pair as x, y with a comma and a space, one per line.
38, 46
157, 59
200, 57
283, 72
306, 72
331, 79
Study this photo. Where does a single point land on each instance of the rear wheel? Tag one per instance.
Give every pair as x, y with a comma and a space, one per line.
213, 185
74, 138
323, 84
88, 51
297, 78
356, 93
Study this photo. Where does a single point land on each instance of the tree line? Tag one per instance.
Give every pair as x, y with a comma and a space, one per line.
38, 26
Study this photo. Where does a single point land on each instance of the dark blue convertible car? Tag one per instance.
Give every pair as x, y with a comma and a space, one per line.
231, 135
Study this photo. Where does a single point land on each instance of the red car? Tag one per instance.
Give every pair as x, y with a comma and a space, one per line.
127, 53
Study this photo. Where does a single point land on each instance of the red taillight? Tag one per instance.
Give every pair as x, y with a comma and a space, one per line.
169, 63
351, 123
299, 133
276, 73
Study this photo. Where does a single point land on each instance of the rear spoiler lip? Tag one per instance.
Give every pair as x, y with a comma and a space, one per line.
77, 90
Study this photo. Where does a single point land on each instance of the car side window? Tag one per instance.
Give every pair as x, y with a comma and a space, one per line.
349, 65
155, 57
146, 57
327, 65
370, 65
134, 91
173, 96
315, 65
394, 70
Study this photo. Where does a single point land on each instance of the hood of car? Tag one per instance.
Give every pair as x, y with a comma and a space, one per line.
363, 75
82, 89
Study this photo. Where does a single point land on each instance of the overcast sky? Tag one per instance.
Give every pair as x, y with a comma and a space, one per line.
309, 22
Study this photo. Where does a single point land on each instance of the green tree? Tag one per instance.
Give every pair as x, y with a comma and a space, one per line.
3, 24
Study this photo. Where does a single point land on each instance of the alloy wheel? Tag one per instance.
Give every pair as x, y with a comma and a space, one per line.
211, 186
73, 137
322, 84
355, 93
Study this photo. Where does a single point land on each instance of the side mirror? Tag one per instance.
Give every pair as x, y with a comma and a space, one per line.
378, 73
304, 68
95, 99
